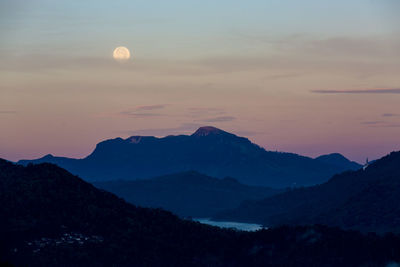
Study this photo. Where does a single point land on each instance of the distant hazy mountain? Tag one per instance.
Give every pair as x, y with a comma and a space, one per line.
340, 161
52, 218
209, 150
366, 200
186, 194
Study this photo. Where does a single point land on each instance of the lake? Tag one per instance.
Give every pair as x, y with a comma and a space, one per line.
236, 225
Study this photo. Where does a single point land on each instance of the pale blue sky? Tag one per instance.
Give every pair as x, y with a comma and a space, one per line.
175, 29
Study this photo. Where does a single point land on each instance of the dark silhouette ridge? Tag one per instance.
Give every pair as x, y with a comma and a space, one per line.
186, 194
339, 160
209, 130
52, 218
209, 150
365, 200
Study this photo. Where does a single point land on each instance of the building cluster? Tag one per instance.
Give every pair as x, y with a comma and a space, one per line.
71, 238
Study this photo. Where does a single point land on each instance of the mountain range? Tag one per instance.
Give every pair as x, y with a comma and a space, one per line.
50, 217
366, 200
209, 150
187, 194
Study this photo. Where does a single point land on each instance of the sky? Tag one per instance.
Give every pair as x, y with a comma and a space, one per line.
310, 77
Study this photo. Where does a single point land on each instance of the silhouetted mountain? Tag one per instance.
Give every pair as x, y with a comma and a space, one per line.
366, 200
209, 150
52, 218
186, 194
339, 160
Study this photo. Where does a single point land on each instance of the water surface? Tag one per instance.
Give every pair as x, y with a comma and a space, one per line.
235, 225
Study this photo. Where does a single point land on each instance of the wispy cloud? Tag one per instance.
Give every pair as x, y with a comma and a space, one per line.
150, 107
283, 76
372, 122
380, 124
184, 128
363, 91
386, 125
7, 112
390, 115
143, 111
338, 46
209, 114
139, 114
392, 126
204, 112
220, 119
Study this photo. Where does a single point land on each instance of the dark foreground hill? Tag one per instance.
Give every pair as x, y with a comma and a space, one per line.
52, 218
366, 200
209, 150
187, 194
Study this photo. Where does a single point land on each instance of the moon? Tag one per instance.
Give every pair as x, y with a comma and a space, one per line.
121, 53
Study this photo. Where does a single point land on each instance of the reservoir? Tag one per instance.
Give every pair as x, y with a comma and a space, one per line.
235, 225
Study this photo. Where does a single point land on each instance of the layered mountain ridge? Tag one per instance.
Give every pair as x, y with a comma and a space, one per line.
365, 200
186, 194
209, 150
50, 217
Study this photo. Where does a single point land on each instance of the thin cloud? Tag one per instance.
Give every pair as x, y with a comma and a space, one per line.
143, 111
201, 112
372, 122
7, 112
139, 114
151, 107
390, 115
184, 128
220, 119
385, 125
206, 110
283, 76
364, 91
392, 126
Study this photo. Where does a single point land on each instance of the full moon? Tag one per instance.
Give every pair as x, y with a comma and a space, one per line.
121, 53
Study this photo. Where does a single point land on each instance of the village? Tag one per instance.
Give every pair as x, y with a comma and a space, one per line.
70, 238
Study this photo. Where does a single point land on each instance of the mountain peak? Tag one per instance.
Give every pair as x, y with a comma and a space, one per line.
134, 139
333, 156
339, 159
207, 130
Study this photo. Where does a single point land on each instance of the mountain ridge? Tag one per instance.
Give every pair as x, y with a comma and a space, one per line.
338, 159
364, 200
186, 194
50, 217
209, 150
208, 130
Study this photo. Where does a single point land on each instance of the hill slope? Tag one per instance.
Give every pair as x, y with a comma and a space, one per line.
339, 160
52, 218
209, 150
186, 194
366, 200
